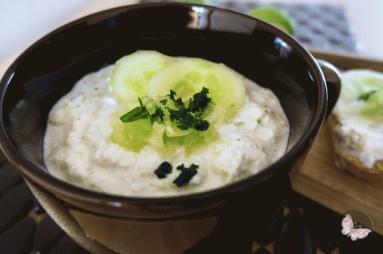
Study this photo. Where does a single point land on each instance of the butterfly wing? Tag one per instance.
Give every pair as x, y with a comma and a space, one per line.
347, 225
353, 235
359, 233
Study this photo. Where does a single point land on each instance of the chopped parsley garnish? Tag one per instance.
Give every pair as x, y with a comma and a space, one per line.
201, 125
190, 116
141, 103
182, 117
200, 101
141, 112
177, 101
157, 116
163, 170
365, 96
187, 173
135, 114
164, 101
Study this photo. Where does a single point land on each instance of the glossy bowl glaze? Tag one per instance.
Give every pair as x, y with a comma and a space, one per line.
51, 66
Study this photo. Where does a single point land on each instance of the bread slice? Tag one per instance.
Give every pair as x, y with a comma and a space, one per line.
347, 161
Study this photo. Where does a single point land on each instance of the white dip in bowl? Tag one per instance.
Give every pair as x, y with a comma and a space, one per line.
78, 149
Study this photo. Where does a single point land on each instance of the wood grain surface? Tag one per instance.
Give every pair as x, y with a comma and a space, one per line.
319, 178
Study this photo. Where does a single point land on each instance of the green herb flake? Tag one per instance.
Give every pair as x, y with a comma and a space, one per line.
201, 125
177, 101
163, 170
190, 117
141, 103
187, 173
157, 116
185, 117
200, 101
135, 114
365, 96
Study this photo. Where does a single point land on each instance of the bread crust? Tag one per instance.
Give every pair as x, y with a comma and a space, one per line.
347, 161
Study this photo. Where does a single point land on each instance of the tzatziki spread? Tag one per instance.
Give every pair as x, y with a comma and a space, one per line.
82, 142
359, 112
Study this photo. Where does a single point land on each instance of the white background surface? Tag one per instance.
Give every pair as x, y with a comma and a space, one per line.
24, 21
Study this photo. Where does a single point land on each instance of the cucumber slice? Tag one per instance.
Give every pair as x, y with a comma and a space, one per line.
132, 73
374, 106
133, 135
358, 82
365, 86
187, 76
150, 76
191, 142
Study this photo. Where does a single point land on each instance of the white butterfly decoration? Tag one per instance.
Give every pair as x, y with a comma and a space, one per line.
349, 229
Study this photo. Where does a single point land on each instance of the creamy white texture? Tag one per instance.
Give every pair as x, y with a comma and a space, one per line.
77, 146
362, 135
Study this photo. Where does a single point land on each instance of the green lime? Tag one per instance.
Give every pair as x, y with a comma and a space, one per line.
195, 1
275, 16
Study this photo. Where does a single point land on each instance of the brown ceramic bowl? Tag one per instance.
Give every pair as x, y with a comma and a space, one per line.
51, 66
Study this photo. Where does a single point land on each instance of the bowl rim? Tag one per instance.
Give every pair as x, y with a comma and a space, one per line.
66, 189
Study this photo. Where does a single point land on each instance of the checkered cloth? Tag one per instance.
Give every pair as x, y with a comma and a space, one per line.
320, 26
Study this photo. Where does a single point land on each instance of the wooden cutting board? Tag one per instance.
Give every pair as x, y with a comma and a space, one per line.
319, 178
